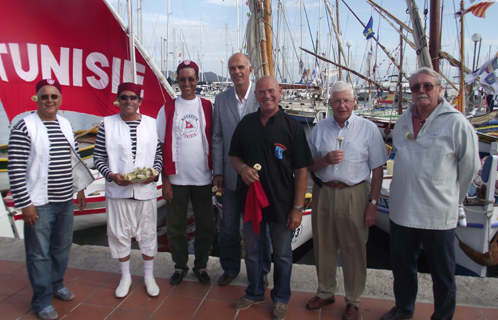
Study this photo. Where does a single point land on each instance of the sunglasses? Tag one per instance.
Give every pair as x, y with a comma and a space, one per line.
185, 79
427, 87
52, 96
124, 97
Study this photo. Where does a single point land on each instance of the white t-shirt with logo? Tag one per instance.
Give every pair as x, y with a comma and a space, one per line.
191, 165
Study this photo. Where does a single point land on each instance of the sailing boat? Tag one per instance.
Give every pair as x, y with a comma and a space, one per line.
82, 44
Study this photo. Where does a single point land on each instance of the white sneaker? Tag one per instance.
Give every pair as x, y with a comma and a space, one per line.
151, 286
123, 288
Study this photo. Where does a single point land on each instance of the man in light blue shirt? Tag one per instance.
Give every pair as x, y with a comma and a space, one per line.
346, 149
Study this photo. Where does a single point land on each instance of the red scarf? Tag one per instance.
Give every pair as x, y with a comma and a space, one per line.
255, 201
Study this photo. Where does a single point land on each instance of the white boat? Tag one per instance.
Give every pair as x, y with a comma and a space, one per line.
481, 215
93, 215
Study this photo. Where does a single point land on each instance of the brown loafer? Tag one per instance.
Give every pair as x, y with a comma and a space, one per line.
352, 312
317, 302
225, 280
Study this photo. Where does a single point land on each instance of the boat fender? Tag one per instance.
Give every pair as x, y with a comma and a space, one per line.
462, 219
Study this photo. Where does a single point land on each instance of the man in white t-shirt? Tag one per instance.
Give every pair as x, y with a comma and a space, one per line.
184, 126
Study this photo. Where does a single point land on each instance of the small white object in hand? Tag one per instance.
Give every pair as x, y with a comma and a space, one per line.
340, 139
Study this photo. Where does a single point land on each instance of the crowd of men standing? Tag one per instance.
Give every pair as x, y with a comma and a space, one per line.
258, 157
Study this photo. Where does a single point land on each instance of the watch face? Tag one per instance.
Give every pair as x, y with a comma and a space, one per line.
373, 201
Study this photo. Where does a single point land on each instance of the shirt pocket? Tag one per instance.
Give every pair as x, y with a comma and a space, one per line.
355, 154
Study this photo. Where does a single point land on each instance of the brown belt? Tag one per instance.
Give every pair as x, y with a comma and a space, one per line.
339, 185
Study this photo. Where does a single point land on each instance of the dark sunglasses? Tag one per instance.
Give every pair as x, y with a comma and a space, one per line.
125, 97
427, 87
185, 79
52, 96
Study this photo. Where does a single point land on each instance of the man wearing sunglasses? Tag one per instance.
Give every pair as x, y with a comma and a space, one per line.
125, 142
184, 127
45, 171
436, 158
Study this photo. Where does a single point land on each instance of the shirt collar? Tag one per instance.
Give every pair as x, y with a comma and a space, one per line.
348, 123
247, 93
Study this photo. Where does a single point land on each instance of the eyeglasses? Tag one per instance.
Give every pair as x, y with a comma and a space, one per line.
125, 97
190, 79
427, 87
52, 96
337, 102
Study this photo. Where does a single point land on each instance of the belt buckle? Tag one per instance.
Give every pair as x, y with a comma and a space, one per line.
335, 186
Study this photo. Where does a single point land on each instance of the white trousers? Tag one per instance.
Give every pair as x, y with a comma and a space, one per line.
127, 219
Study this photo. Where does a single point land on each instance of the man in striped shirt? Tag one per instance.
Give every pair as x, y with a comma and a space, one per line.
124, 142
41, 152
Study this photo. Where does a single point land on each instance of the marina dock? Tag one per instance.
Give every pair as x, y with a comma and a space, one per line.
93, 276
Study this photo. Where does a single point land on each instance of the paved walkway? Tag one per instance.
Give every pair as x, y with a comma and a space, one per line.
92, 276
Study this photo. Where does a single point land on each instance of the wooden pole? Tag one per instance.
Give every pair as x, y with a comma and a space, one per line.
268, 32
434, 35
400, 87
462, 65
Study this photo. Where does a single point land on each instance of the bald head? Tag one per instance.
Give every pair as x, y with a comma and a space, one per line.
268, 94
240, 69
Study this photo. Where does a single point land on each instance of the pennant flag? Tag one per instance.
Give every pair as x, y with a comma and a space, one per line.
479, 10
458, 102
368, 29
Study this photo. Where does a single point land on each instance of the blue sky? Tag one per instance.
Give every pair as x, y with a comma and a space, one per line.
218, 16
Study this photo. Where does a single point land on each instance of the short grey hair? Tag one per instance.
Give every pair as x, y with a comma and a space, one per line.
340, 86
428, 71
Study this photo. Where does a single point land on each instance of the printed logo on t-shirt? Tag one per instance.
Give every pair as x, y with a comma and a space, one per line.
189, 126
279, 150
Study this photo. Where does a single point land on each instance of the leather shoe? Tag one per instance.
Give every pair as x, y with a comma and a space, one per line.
352, 312
151, 287
123, 288
225, 280
317, 302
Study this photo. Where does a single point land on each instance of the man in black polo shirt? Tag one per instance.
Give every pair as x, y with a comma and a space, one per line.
277, 142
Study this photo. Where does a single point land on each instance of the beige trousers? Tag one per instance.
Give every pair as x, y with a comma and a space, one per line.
338, 224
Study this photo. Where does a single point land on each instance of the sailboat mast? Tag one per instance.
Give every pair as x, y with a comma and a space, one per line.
268, 32
423, 58
132, 45
434, 34
339, 30
167, 44
238, 27
202, 67
279, 9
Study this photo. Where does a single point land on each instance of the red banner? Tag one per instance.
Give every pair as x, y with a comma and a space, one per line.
77, 42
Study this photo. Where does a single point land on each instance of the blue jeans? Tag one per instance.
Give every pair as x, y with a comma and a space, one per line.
440, 252
282, 260
47, 245
230, 249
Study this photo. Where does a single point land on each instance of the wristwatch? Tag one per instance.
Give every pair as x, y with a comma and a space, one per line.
373, 201
299, 208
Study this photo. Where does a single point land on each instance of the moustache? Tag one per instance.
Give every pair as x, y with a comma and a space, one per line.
422, 96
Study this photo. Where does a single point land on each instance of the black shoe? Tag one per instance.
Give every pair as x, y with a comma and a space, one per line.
177, 277
203, 276
397, 314
225, 280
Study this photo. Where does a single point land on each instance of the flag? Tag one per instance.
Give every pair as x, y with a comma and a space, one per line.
301, 68
370, 52
315, 73
368, 29
458, 102
479, 10
487, 68
491, 81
